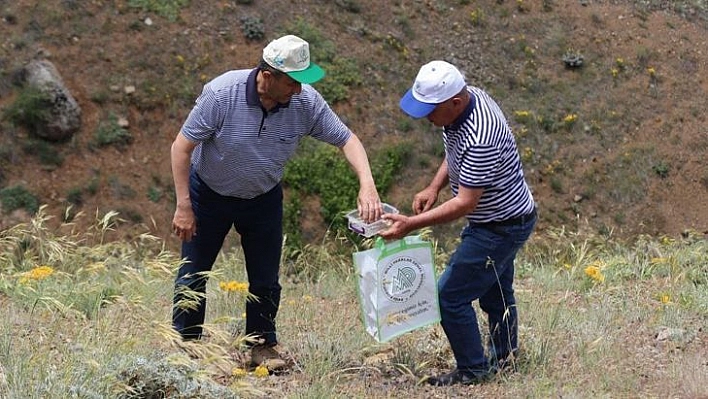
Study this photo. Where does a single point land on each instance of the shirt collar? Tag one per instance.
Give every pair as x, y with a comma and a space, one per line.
252, 97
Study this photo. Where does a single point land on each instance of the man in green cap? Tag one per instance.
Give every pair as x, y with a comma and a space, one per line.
227, 163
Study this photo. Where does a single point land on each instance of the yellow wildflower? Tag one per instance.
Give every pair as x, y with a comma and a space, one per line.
570, 118
665, 298
233, 286
38, 273
666, 240
307, 298
238, 372
527, 155
261, 371
593, 271
651, 71
475, 17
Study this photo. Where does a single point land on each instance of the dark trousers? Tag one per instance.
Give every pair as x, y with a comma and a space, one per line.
259, 222
482, 268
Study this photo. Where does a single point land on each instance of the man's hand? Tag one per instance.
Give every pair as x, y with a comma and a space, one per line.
424, 200
183, 223
369, 205
399, 226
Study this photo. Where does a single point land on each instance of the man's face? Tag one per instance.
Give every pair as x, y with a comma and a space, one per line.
281, 88
444, 113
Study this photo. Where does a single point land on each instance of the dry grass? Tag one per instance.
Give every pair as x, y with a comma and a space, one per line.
90, 319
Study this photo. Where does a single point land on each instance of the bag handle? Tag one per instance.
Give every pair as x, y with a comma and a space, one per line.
397, 245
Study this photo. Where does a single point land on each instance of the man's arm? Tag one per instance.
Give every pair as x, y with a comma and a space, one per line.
368, 202
464, 203
183, 222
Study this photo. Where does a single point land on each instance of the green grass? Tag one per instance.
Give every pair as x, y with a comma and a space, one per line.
98, 319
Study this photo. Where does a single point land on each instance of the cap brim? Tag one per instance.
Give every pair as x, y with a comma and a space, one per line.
311, 74
415, 108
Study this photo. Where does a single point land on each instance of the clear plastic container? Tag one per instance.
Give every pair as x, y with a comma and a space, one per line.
368, 230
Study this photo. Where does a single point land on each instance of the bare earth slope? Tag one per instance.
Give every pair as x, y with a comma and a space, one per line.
634, 161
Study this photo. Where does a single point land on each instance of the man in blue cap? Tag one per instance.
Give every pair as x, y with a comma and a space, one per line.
227, 163
483, 168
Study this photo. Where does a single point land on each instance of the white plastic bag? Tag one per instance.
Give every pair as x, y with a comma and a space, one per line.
397, 287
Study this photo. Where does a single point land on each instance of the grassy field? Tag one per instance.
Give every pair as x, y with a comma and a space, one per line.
87, 318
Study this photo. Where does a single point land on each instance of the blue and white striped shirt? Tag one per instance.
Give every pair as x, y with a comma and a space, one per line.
243, 149
481, 153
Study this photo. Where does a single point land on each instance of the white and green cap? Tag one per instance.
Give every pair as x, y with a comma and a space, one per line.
291, 55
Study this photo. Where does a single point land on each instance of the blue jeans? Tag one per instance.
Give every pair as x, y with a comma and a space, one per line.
259, 222
482, 268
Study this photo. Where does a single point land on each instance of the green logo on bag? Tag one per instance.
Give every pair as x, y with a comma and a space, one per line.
402, 278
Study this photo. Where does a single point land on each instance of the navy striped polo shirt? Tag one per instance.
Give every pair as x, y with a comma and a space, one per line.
481, 153
242, 148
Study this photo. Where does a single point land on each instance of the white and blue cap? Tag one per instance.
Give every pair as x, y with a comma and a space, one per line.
437, 82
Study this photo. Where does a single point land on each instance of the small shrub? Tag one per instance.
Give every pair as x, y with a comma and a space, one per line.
159, 378
661, 169
154, 193
252, 28
110, 133
46, 152
477, 17
31, 109
644, 57
75, 196
573, 59
100, 97
352, 6
18, 197
93, 185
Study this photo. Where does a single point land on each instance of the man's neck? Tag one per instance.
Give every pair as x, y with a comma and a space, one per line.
266, 102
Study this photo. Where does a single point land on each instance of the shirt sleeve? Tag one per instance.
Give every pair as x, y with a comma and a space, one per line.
326, 125
205, 118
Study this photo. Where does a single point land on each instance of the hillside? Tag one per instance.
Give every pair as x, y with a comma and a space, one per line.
617, 146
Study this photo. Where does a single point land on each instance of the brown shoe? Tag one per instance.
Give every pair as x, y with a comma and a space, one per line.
268, 356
